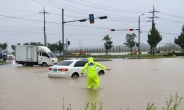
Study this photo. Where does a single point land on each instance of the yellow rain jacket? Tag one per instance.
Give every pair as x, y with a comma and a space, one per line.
92, 75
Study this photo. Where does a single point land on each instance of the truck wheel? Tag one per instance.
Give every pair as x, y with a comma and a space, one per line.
24, 64
44, 64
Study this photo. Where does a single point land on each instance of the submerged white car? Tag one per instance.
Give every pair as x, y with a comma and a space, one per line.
69, 68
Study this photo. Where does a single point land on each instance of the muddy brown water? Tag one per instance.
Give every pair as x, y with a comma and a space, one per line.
130, 84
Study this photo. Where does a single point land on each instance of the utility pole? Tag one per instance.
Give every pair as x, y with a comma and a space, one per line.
153, 15
63, 32
45, 38
152, 19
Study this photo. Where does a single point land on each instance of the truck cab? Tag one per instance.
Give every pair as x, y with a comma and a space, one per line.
46, 57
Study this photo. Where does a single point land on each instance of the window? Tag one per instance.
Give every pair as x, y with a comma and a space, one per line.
52, 55
65, 63
79, 64
45, 55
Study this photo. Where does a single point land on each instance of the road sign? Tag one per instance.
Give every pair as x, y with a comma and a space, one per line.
91, 18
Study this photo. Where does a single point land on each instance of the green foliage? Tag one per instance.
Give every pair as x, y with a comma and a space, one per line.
129, 41
2, 61
93, 106
33, 43
176, 101
108, 43
13, 47
53, 46
3, 45
154, 37
180, 40
177, 54
88, 107
60, 46
151, 107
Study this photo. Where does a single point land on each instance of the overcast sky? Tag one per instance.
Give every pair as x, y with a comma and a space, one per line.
20, 20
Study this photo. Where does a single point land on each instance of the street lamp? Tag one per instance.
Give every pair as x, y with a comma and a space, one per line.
81, 20
139, 31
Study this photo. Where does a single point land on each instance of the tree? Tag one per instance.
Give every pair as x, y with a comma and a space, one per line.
154, 38
108, 43
53, 47
129, 41
119, 49
13, 47
180, 40
60, 46
3, 45
26, 43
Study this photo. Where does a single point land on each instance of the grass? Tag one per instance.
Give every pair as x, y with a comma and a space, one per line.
169, 105
128, 56
2, 62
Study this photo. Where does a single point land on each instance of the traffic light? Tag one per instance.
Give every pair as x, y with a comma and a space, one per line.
111, 29
82, 20
103, 17
130, 29
68, 42
91, 19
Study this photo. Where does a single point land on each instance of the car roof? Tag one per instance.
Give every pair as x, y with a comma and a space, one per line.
75, 60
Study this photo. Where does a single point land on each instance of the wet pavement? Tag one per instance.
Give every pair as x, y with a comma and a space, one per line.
131, 83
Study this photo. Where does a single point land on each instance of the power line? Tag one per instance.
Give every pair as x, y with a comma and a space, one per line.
172, 15
14, 8
70, 8
163, 32
172, 20
101, 7
27, 19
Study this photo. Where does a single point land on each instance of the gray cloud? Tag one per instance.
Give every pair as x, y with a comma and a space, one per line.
122, 14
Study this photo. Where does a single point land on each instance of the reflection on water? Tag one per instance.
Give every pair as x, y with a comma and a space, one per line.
92, 95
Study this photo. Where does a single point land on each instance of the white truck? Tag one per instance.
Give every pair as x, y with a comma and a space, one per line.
29, 55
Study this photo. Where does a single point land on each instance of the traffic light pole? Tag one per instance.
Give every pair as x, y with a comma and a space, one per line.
139, 31
66, 48
139, 38
63, 33
81, 20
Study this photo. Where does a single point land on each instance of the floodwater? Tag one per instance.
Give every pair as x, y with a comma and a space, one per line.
132, 83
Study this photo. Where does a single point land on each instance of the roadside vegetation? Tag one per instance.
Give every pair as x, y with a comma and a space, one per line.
171, 104
2, 62
109, 57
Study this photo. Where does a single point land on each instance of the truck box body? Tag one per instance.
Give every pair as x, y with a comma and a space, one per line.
34, 55
26, 53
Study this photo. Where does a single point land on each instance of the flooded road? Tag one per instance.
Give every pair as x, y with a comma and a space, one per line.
131, 83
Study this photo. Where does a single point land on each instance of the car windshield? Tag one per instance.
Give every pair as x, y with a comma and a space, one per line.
51, 55
9, 54
64, 63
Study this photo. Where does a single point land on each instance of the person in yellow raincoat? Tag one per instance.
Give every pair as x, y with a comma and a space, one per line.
92, 75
